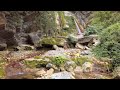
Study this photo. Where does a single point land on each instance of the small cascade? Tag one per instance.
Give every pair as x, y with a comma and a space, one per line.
80, 33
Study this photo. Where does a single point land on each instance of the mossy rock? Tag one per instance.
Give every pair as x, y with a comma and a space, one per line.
53, 41
35, 63
42, 64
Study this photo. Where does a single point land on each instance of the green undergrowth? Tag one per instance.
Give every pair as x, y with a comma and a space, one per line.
81, 60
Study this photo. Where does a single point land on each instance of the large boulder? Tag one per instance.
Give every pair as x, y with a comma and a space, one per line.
33, 38
53, 41
21, 38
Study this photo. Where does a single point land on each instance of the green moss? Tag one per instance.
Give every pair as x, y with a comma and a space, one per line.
51, 41
81, 60
35, 63
71, 22
37, 57
103, 19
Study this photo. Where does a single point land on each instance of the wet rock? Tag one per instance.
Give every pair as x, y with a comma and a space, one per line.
87, 67
62, 75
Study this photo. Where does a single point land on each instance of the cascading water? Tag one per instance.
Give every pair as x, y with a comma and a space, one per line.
80, 34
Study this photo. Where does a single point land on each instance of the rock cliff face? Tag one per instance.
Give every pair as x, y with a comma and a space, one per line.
83, 17
28, 27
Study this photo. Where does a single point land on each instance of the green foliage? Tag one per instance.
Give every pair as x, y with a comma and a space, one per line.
62, 19
45, 21
70, 21
110, 43
103, 19
80, 60
59, 60
90, 30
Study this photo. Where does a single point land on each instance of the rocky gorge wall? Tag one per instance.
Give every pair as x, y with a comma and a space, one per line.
28, 27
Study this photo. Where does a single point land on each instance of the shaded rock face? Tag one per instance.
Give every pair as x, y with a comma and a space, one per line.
3, 46
8, 37
23, 24
21, 38
16, 28
33, 38
83, 17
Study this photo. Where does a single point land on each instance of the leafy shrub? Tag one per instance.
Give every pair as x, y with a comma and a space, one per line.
90, 30
110, 44
59, 60
103, 19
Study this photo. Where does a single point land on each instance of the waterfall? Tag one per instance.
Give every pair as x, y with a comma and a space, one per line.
79, 31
